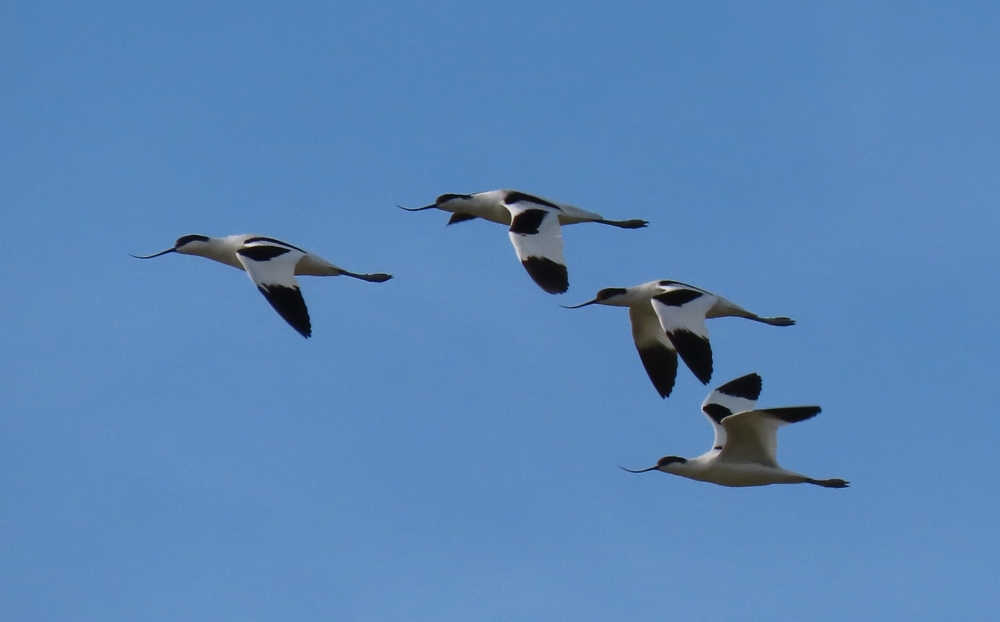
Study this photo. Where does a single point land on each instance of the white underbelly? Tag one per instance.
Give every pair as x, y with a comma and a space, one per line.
747, 474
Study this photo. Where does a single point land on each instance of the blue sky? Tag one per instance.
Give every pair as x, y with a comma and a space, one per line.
446, 446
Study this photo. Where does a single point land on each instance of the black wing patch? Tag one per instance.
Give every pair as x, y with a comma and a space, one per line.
717, 412
289, 304
517, 197
748, 387
677, 297
528, 221
679, 284
661, 367
262, 253
273, 241
458, 217
549, 275
793, 414
696, 352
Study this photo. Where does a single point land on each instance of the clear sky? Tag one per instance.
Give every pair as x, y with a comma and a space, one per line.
446, 446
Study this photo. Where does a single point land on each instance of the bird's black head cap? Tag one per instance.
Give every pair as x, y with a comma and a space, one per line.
444, 198
610, 292
665, 460
187, 239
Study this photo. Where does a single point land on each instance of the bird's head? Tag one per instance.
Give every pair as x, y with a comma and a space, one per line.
191, 244
186, 245
613, 296
666, 464
446, 202
451, 200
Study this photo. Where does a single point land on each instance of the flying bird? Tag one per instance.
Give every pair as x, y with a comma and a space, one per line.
746, 441
272, 266
534, 228
668, 318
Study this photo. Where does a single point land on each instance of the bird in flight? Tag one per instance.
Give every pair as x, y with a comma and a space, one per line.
272, 266
668, 318
534, 228
746, 441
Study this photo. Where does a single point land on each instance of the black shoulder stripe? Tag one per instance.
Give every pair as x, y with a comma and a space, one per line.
696, 352
290, 305
262, 253
528, 221
677, 297
273, 241
661, 367
549, 275
517, 197
667, 283
748, 387
460, 217
717, 412
793, 414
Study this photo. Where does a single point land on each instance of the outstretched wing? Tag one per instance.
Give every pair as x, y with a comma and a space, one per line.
682, 309
271, 266
534, 231
752, 436
656, 352
735, 396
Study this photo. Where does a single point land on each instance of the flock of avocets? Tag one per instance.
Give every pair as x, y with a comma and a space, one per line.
668, 319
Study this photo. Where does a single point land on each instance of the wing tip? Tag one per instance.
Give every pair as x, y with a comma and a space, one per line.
660, 363
696, 352
793, 414
458, 217
747, 387
551, 276
290, 305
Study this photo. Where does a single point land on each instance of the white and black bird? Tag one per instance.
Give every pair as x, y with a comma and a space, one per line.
746, 441
272, 266
534, 228
668, 318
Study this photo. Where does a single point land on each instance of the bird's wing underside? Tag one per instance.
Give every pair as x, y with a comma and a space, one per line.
271, 266
735, 396
655, 350
752, 436
535, 233
682, 310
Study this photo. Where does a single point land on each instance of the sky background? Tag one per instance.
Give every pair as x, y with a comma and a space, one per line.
446, 446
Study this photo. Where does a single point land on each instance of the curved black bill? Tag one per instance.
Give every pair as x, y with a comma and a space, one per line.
589, 302
417, 209
169, 250
652, 468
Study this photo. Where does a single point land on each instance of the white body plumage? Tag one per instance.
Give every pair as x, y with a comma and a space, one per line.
534, 228
272, 266
668, 318
744, 452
